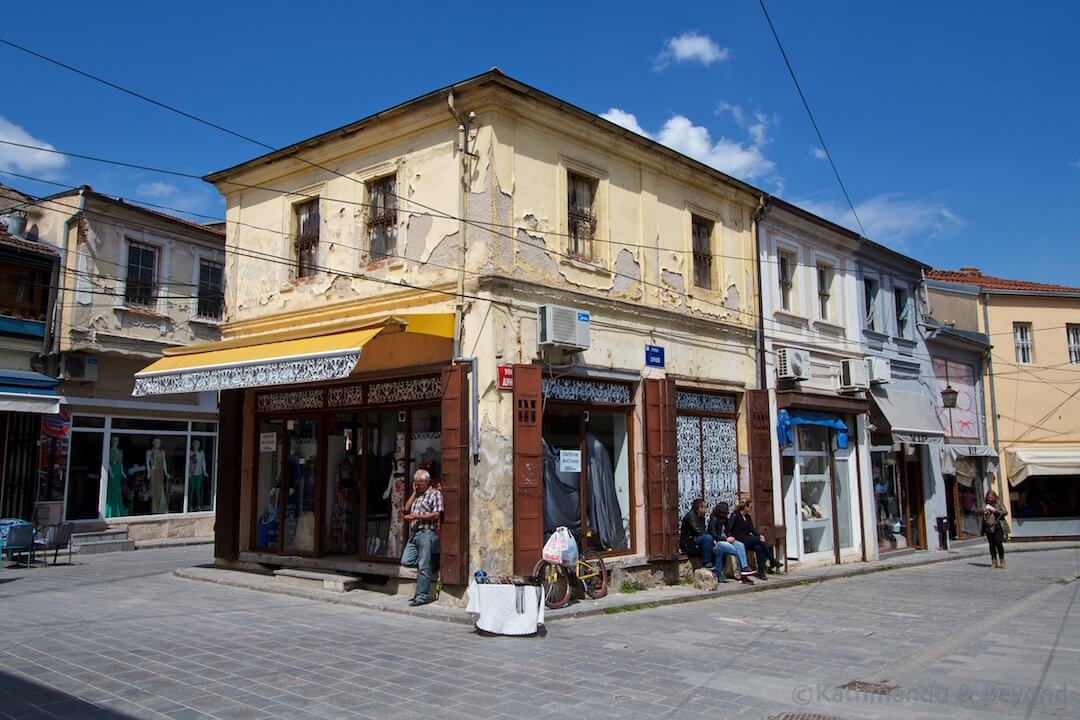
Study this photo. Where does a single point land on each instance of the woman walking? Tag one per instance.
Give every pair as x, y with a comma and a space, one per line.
993, 520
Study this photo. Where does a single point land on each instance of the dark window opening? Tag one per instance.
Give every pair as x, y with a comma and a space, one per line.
141, 288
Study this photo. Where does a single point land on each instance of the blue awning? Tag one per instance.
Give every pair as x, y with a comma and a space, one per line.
25, 391
786, 420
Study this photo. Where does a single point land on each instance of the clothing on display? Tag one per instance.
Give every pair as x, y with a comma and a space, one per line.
343, 513
605, 514
114, 499
196, 475
157, 472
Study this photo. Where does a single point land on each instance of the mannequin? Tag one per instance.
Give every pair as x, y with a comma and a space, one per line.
197, 475
158, 472
114, 500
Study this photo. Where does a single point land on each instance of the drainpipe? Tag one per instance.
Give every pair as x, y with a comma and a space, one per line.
61, 283
759, 215
985, 297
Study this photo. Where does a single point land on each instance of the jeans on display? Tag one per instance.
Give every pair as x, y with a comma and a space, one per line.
764, 552
997, 543
420, 553
738, 549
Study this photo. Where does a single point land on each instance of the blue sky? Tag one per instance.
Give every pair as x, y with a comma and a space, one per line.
954, 125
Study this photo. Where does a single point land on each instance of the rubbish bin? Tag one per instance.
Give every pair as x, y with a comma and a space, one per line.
943, 532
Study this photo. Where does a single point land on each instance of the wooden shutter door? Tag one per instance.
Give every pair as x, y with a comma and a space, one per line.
454, 531
528, 468
229, 459
761, 476
661, 471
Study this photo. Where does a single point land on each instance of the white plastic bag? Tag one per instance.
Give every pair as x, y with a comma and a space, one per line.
561, 547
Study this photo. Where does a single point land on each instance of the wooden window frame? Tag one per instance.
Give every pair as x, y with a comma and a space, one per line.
36, 307
214, 295
386, 220
577, 217
131, 297
305, 246
701, 245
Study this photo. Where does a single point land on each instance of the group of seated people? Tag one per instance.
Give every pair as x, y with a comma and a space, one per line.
723, 534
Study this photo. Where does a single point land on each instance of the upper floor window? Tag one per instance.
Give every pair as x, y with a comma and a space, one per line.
581, 220
211, 290
382, 218
785, 274
825, 275
903, 310
1025, 346
702, 232
23, 292
1072, 332
306, 245
141, 285
870, 298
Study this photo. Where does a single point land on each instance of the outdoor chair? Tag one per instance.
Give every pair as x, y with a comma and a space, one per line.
20, 538
55, 538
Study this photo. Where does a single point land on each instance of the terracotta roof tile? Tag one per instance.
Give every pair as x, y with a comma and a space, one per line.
9, 240
972, 276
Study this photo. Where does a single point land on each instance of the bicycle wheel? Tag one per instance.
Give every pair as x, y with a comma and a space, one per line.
556, 583
594, 580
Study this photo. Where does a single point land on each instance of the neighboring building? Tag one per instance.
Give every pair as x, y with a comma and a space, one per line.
906, 434
960, 354
811, 330
1035, 331
134, 282
27, 276
372, 332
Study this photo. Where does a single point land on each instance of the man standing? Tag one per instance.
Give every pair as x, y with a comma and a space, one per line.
425, 507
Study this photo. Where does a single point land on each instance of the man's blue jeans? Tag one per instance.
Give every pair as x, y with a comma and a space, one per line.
420, 553
723, 547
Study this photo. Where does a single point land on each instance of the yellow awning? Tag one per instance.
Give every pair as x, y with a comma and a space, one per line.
313, 359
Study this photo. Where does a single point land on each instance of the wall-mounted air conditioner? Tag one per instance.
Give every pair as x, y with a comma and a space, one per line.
879, 370
854, 376
792, 364
564, 328
80, 368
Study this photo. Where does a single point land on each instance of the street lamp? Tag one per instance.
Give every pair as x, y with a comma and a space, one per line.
948, 397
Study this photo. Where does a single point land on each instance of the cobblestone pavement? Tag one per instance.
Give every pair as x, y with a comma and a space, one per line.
119, 636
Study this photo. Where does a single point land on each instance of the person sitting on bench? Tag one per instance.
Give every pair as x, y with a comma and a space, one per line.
695, 541
727, 542
740, 525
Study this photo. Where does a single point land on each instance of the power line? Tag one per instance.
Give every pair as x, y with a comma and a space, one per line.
802, 96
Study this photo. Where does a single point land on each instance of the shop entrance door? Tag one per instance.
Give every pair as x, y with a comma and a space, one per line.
911, 501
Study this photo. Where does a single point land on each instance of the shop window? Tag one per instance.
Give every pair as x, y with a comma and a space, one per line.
897, 500
785, 274
702, 230
84, 476
306, 241
387, 484
298, 528
84, 421
1047, 496
146, 425
382, 218
268, 490
824, 288
141, 286
1072, 336
202, 450
1025, 346
581, 220
344, 441
149, 471
211, 301
587, 476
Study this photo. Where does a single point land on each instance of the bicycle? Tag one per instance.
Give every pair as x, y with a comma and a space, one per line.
589, 570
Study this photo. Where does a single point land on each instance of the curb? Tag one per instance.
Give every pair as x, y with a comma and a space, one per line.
459, 617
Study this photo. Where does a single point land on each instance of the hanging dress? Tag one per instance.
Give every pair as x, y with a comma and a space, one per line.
114, 498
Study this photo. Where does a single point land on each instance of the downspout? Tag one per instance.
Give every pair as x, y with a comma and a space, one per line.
759, 214
985, 296
61, 284
474, 431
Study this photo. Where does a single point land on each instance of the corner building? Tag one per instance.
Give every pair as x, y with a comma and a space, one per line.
385, 292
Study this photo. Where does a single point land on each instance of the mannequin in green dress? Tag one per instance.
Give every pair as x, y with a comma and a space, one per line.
114, 500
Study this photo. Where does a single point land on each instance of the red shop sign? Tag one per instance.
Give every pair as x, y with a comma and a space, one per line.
506, 377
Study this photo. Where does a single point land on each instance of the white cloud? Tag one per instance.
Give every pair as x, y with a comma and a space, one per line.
740, 159
891, 218
156, 189
17, 159
818, 153
690, 47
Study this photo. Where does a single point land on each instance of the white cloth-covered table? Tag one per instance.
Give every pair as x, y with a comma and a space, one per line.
507, 609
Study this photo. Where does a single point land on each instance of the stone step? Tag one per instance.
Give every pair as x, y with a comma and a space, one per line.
314, 580
102, 546
78, 539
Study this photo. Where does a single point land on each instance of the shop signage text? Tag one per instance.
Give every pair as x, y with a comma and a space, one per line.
654, 356
506, 377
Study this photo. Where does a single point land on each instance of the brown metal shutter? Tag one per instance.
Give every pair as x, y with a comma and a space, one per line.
229, 460
761, 476
528, 468
454, 531
661, 470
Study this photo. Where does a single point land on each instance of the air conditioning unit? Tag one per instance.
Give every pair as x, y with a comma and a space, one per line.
854, 376
792, 364
564, 328
81, 368
879, 370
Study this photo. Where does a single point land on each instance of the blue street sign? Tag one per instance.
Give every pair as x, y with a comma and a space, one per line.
654, 356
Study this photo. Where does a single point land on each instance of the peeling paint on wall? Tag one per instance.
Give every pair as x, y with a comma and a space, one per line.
417, 230
535, 256
731, 300
628, 275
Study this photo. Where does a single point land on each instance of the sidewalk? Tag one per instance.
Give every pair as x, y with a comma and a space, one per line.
615, 602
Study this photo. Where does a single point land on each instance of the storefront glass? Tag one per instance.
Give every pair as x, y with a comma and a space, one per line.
343, 444
818, 490
300, 473
387, 484
123, 467
1047, 496
268, 489
898, 499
